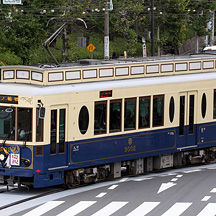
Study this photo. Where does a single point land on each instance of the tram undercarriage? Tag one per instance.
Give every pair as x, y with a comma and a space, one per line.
138, 166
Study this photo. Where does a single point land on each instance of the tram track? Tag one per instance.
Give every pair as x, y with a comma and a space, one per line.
60, 189
53, 191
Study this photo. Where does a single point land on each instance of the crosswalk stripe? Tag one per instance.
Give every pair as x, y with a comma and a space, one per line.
177, 209
143, 209
77, 208
112, 187
209, 210
206, 198
44, 208
101, 195
110, 208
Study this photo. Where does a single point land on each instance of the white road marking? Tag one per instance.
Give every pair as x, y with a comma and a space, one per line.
77, 208
170, 174
177, 209
209, 210
165, 186
211, 168
143, 209
191, 171
124, 179
112, 187
44, 208
142, 179
110, 208
213, 190
101, 195
174, 179
179, 176
206, 198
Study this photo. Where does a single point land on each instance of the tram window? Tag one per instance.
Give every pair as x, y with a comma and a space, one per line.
115, 115
7, 123
203, 105
83, 120
130, 114
214, 108
39, 150
61, 130
191, 114
53, 128
24, 118
182, 115
144, 112
158, 110
100, 117
39, 127
171, 109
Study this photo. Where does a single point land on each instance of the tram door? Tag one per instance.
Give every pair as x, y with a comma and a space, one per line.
58, 148
187, 119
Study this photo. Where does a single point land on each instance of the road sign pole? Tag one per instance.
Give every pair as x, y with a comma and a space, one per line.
91, 48
106, 31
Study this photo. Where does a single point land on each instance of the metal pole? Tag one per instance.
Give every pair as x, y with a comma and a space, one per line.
211, 41
64, 50
152, 29
106, 31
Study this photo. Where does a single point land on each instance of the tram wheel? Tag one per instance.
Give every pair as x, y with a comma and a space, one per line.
69, 180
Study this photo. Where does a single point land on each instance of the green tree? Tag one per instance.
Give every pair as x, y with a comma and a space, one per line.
199, 15
23, 28
173, 22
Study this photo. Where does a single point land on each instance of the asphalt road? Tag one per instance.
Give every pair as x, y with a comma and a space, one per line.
187, 192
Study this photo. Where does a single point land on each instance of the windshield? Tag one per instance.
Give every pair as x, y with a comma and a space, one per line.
16, 124
7, 123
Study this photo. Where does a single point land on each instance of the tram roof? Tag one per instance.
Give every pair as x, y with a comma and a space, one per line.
87, 71
27, 89
115, 62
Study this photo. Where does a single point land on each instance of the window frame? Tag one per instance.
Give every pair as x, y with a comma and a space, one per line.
37, 117
59, 113
111, 102
125, 111
153, 113
149, 109
106, 116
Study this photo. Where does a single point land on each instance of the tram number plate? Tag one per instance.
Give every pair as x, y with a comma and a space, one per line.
15, 159
130, 149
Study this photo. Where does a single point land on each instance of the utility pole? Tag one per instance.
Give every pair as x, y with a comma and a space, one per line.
211, 36
152, 29
106, 31
64, 51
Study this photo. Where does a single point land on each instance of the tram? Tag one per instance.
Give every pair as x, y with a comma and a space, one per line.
82, 122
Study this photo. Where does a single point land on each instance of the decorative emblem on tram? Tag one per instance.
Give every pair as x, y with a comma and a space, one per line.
27, 99
130, 141
15, 149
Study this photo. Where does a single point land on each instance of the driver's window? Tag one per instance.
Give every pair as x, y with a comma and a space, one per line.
7, 123
24, 124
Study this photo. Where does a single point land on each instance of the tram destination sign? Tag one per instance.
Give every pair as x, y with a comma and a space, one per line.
107, 93
11, 99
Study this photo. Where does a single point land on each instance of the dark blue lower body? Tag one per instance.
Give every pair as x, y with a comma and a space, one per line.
49, 169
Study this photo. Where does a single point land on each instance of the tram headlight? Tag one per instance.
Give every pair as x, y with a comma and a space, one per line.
2, 157
26, 162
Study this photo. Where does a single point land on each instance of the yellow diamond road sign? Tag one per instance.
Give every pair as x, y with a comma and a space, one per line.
90, 47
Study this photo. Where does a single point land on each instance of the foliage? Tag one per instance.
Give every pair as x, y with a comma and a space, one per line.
24, 27
199, 14
8, 58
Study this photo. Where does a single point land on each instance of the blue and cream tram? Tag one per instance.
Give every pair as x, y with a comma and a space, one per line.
82, 122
